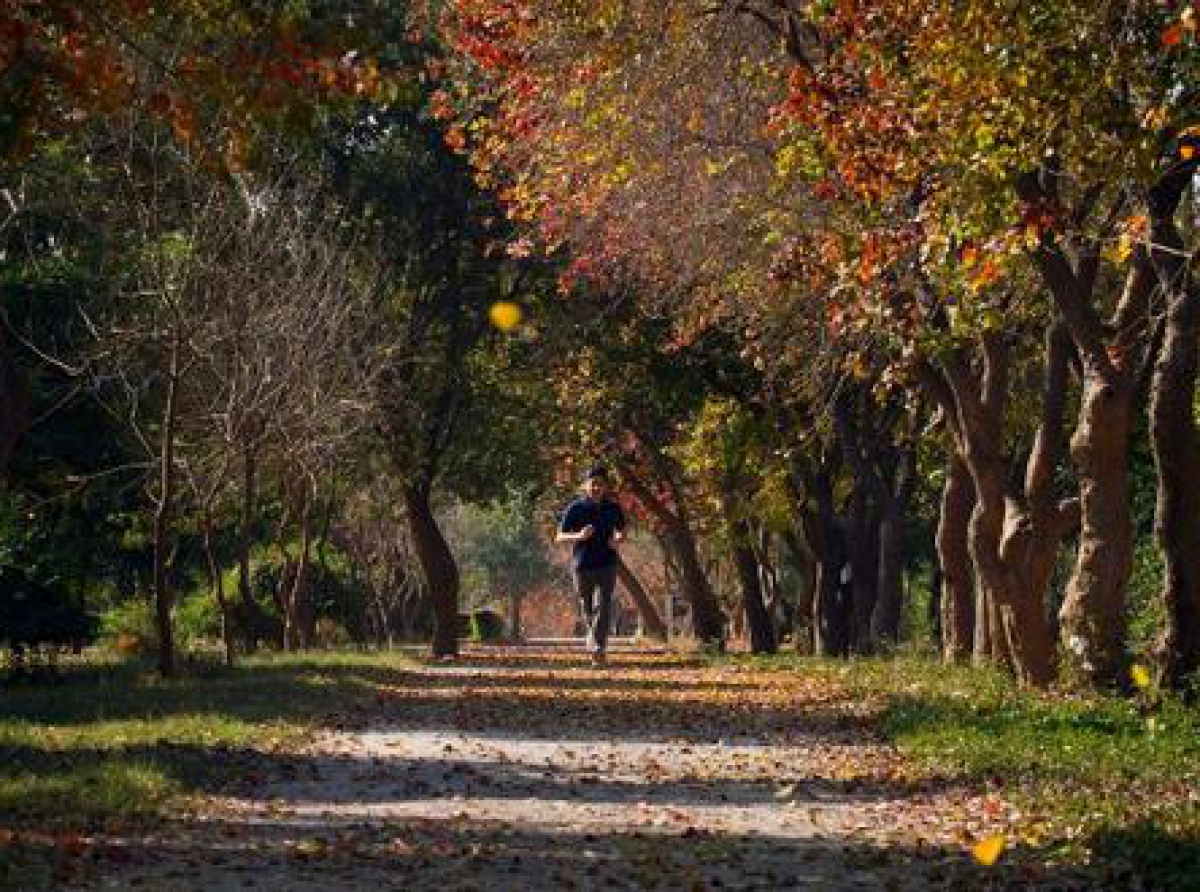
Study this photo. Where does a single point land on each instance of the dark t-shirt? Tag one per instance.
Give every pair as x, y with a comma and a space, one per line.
606, 517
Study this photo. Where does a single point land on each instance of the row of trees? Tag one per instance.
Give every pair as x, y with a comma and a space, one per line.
246, 320
846, 293
832, 246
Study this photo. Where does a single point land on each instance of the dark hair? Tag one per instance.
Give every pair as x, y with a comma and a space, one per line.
597, 472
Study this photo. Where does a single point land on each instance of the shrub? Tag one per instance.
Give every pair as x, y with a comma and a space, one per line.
486, 625
129, 628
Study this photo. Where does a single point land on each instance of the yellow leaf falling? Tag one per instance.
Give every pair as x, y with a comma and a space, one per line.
1140, 675
988, 851
505, 315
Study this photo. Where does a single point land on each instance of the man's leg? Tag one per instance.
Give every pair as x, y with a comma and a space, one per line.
584, 589
605, 582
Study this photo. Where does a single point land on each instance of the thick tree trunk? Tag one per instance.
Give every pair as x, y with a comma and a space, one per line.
652, 623
805, 565
708, 620
746, 567
1093, 616
162, 514
833, 603
1174, 437
1009, 616
762, 629
1176, 445
954, 559
889, 602
862, 548
438, 567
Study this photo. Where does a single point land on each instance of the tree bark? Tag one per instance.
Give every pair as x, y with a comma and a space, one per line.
889, 601
1092, 617
708, 620
652, 623
1174, 437
805, 565
1008, 613
762, 629
954, 559
438, 567
833, 602
1093, 612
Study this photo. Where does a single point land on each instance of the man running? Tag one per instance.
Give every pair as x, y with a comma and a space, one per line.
593, 524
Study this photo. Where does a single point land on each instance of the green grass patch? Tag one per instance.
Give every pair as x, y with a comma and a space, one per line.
115, 742
1098, 777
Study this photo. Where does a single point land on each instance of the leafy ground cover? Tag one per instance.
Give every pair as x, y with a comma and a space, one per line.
528, 768
1110, 780
110, 745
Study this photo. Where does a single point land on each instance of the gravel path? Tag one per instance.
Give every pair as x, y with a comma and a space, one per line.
521, 770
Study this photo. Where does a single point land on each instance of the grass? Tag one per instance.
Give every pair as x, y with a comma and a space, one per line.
117, 742
1095, 779
1101, 778
110, 744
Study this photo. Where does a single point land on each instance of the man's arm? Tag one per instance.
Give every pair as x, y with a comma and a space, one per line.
567, 531
585, 533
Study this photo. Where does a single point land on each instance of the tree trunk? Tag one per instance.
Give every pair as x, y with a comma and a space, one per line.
297, 613
762, 629
1093, 612
162, 513
954, 559
14, 406
652, 623
217, 585
1175, 439
1008, 615
862, 547
438, 567
708, 621
889, 602
253, 617
833, 602
805, 565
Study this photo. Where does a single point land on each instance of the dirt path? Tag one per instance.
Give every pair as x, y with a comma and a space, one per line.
532, 770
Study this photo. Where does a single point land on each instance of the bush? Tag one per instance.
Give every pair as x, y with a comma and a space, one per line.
198, 618
130, 628
486, 625
331, 634
33, 615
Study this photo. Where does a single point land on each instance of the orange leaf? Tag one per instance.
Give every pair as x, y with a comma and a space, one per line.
987, 852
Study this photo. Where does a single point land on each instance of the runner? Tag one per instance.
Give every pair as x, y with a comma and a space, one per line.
594, 524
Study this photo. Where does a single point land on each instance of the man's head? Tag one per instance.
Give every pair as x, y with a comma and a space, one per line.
596, 483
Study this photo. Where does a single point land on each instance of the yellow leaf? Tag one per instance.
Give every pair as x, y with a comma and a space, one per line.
1187, 152
505, 315
1140, 675
988, 851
